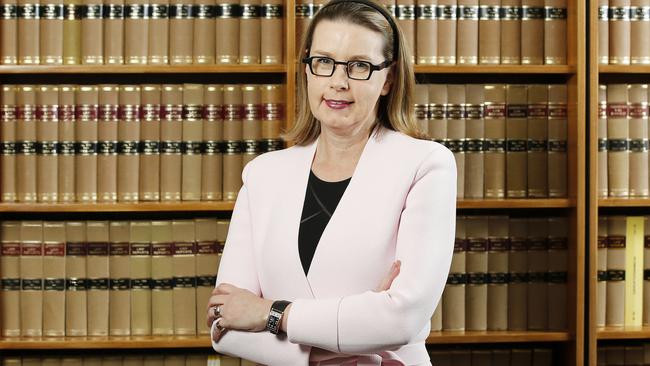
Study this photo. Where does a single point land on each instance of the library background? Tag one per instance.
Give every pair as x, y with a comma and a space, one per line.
125, 125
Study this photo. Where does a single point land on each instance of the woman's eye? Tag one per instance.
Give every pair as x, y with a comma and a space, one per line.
359, 65
324, 61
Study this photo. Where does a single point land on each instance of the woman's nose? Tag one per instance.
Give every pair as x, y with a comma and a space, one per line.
339, 79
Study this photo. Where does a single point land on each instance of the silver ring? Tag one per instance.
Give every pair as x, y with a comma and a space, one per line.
216, 311
218, 326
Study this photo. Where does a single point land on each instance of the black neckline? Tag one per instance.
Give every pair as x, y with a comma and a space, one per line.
311, 173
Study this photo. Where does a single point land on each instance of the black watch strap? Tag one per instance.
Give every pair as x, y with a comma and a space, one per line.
275, 316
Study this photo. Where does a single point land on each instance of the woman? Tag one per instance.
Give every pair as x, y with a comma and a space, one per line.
341, 244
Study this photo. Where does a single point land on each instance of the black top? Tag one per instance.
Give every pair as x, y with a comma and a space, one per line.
321, 200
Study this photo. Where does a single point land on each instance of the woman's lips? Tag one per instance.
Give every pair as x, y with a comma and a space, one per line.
337, 104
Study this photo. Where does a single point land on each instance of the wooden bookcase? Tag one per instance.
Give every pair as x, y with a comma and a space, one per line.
571, 341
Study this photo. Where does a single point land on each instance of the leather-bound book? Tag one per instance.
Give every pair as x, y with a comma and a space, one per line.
518, 271
304, 14
475, 145
405, 14
54, 278
184, 264
436, 318
119, 314
171, 135
618, 139
212, 159
149, 148
9, 32
76, 297
555, 32
204, 32
511, 13
207, 262
558, 246
542, 357
532, 32
91, 32
113, 17
69, 148
233, 135
136, 31
86, 131
437, 111
10, 277
497, 273
272, 32
476, 303
516, 135
162, 271
537, 171
47, 132
26, 165
251, 122
481, 358
273, 116
447, 19
603, 187
97, 270
501, 357
192, 140
453, 297
603, 31
639, 29
616, 276
638, 133
601, 292
426, 28
646, 271
421, 107
29, 32
495, 141
619, 32
128, 133
456, 126
521, 357
557, 140
537, 273
158, 53
8, 144
489, 32
140, 263
249, 32
51, 37
467, 32
228, 31
107, 136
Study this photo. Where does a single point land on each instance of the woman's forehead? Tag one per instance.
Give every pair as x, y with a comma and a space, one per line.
345, 39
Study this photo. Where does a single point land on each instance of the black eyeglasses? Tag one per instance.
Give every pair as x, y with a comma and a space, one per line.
356, 70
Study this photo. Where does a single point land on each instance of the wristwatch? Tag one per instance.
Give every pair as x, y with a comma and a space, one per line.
275, 316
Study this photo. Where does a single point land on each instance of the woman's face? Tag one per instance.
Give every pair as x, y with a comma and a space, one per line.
343, 105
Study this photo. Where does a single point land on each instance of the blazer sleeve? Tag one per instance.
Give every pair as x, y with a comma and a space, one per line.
237, 267
375, 321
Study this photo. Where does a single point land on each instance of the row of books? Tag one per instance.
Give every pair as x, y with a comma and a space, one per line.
99, 278
449, 32
113, 359
623, 143
506, 274
510, 141
624, 355
623, 267
623, 28
132, 143
142, 32
518, 356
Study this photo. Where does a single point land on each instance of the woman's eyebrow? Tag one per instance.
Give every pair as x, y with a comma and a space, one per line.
354, 57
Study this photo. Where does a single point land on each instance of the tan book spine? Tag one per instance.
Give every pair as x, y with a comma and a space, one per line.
86, 130
272, 32
538, 301
489, 32
453, 297
197, 360
618, 140
555, 32
136, 31
558, 246
497, 273
447, 19
184, 262
537, 163
92, 361
54, 279
436, 318
405, 15
171, 135
516, 135
476, 304
174, 360
12, 361
32, 361
511, 14
51, 37
619, 32
233, 135
639, 29
207, 262
518, 271
113, 16
249, 32
112, 360
251, 123
91, 32
107, 129
475, 145
603, 189
153, 360
212, 159
421, 107
456, 126
119, 314
26, 165
140, 263
133, 360
9, 33
227, 32
616, 243
557, 140
76, 298
603, 31
532, 32
204, 32
68, 145
495, 141
162, 272
438, 113
10, 277
158, 42
467, 32
181, 29
8, 144
50, 361
646, 271
426, 27
28, 32
97, 270
638, 133
601, 294
128, 132
149, 148
47, 114
192, 139
304, 13
273, 115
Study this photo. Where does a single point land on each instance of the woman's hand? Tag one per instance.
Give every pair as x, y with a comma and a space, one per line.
239, 309
392, 274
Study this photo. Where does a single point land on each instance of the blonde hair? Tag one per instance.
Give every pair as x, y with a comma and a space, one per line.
395, 109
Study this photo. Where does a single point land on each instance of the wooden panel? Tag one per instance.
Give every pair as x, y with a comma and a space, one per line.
623, 333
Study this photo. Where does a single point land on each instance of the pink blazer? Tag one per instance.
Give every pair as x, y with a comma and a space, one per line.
399, 204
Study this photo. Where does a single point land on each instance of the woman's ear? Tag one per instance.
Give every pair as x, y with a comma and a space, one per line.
385, 89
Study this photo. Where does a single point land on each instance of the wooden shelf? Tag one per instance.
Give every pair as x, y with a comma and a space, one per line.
118, 207
624, 202
144, 69
624, 69
469, 337
495, 69
515, 203
623, 333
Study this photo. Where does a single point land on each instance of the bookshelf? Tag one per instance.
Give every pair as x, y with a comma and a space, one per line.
574, 206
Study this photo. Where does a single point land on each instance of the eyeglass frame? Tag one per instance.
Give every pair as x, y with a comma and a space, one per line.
373, 68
